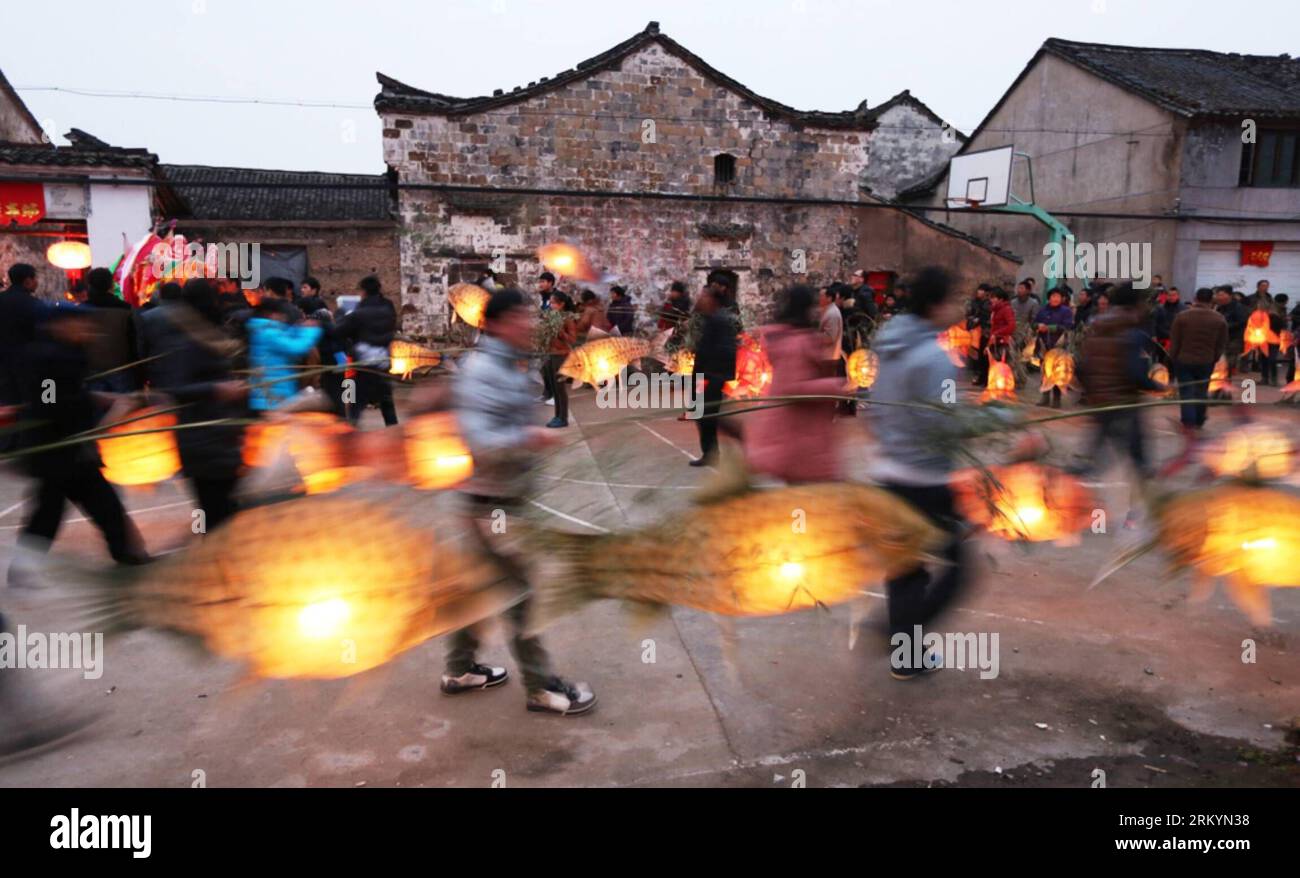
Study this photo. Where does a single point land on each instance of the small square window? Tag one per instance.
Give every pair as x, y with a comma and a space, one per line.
724, 169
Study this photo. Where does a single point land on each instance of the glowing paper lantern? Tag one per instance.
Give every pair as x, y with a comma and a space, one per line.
406, 358
567, 261
1058, 370
1247, 535
142, 459
469, 302
753, 370
960, 342
1258, 334
320, 587
862, 366
1025, 501
1159, 373
436, 456
314, 441
683, 363
1219, 377
69, 255
1002, 384
1258, 450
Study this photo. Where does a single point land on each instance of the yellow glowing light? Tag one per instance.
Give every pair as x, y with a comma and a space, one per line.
141, 451
69, 255
324, 618
1265, 543
1030, 515
398, 367
792, 570
436, 456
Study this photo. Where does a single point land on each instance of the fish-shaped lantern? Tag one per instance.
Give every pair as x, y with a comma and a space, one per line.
753, 370
1248, 536
751, 561
469, 301
603, 356
1258, 451
862, 366
1259, 334
140, 450
1001, 385
1058, 370
316, 442
282, 589
1026, 502
406, 358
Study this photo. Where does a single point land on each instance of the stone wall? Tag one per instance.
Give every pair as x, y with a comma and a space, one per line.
907, 146
654, 124
15, 247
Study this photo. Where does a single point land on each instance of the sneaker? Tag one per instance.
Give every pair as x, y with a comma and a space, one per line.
477, 677
559, 697
703, 461
556, 423
544, 399
550, 402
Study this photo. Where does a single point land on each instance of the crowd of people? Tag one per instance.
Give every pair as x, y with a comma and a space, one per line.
224, 357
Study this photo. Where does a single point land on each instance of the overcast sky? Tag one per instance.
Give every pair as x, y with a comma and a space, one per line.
958, 57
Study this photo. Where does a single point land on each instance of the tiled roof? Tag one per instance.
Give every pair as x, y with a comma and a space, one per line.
400, 97
1193, 82
281, 195
906, 97
75, 156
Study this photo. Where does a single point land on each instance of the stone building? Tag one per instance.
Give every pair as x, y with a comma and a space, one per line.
335, 227
658, 166
1156, 133
909, 144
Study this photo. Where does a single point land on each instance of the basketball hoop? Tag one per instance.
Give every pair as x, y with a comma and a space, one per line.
980, 178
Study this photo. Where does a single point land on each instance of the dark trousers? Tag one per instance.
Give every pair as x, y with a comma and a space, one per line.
708, 423
331, 384
374, 389
916, 597
1122, 429
981, 366
529, 653
559, 388
216, 497
1193, 384
1268, 366
548, 380
86, 487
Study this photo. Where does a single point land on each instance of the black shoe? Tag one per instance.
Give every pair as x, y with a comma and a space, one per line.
704, 461
477, 677
556, 423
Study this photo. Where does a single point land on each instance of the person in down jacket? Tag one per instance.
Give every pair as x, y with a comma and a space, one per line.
274, 348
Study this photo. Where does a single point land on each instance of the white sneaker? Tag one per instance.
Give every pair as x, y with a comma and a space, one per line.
565, 699
477, 677
550, 402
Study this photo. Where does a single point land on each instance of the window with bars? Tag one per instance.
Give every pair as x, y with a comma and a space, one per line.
1273, 160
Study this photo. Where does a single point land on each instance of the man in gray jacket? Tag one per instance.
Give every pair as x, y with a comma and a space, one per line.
915, 457
493, 400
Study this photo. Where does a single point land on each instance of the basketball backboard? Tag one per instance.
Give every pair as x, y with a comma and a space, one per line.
980, 179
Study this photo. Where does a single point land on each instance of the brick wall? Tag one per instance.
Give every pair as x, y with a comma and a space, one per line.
337, 256
907, 147
31, 249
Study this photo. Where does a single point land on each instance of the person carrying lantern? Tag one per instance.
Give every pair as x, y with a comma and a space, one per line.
1002, 328
492, 398
715, 359
910, 460
794, 442
1052, 322
60, 408
368, 330
1114, 372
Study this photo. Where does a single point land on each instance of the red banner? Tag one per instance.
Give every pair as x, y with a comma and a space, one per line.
22, 203
1256, 253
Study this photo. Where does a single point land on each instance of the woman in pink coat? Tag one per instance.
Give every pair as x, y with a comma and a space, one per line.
794, 442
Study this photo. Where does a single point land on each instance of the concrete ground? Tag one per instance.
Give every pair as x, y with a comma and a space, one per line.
1131, 678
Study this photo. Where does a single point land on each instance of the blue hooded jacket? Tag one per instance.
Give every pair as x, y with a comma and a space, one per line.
273, 348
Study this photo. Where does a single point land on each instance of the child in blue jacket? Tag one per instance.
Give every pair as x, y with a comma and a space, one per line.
274, 347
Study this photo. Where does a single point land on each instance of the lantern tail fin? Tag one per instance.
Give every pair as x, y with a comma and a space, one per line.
564, 580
